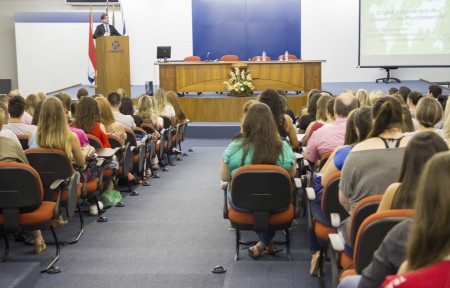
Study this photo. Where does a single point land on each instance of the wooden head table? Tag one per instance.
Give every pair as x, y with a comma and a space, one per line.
295, 75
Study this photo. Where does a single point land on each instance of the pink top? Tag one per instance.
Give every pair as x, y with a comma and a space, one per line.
326, 139
26, 118
437, 275
81, 136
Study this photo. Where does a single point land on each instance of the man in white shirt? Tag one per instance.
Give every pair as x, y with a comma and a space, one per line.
126, 120
105, 29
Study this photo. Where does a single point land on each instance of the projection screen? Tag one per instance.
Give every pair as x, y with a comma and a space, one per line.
404, 33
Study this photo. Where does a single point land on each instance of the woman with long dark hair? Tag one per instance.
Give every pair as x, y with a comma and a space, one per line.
259, 143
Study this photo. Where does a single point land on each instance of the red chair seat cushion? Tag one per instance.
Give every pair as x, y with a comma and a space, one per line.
274, 219
41, 214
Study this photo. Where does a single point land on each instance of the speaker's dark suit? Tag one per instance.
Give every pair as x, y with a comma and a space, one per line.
100, 31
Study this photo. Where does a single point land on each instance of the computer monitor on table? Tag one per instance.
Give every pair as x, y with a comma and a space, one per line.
163, 52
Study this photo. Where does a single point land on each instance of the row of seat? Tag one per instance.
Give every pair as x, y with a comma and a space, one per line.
49, 184
367, 229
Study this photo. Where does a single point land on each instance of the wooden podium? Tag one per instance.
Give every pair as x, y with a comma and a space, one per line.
113, 64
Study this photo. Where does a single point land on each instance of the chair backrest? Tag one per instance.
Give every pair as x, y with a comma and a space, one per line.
51, 165
94, 141
363, 209
192, 58
167, 123
230, 57
131, 137
24, 138
255, 58
20, 189
115, 141
261, 188
372, 232
330, 197
149, 128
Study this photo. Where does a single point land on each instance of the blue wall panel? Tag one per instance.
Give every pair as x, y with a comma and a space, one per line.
246, 27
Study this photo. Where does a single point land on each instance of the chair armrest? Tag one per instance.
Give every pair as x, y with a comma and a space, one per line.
336, 242
298, 156
297, 183
335, 220
225, 188
224, 185
310, 193
57, 183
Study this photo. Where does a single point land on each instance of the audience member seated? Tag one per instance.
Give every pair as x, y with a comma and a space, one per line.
172, 98
374, 96
66, 102
288, 110
321, 118
146, 110
16, 109
428, 250
30, 103
11, 151
114, 100
363, 97
82, 93
53, 132
421, 147
126, 108
112, 126
446, 128
286, 128
304, 109
404, 91
87, 118
41, 96
327, 138
359, 123
304, 120
428, 114
375, 163
435, 91
411, 102
408, 124
164, 108
259, 143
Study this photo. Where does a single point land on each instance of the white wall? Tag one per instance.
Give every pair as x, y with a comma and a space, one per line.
330, 32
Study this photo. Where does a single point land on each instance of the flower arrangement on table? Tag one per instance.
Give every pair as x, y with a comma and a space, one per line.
240, 83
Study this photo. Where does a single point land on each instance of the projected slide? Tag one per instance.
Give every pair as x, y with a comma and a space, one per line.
404, 33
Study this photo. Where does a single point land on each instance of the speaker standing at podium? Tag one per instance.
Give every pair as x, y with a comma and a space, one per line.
105, 29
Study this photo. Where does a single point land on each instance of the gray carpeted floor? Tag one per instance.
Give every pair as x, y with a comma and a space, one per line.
172, 235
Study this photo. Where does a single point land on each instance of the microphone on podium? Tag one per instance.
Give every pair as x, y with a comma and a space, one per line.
207, 57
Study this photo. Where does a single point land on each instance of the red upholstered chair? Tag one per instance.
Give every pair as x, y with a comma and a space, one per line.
53, 165
266, 192
290, 57
329, 204
369, 237
361, 212
229, 58
22, 207
192, 58
255, 58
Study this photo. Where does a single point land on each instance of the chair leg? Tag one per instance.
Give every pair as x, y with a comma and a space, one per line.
238, 239
81, 226
5, 255
288, 244
51, 269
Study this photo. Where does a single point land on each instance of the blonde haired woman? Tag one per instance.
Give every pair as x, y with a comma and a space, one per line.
30, 103
164, 107
145, 109
107, 118
53, 132
428, 251
172, 98
363, 97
